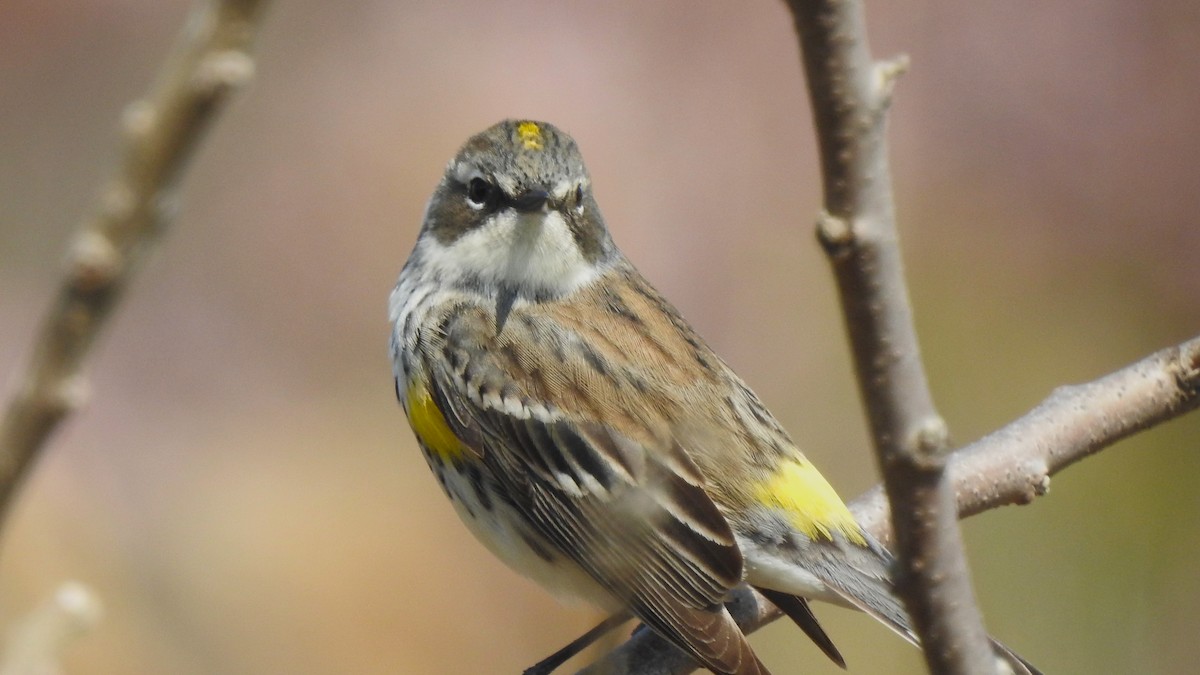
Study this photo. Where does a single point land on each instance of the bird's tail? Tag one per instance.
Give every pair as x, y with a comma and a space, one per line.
891, 613
859, 577
796, 608
870, 589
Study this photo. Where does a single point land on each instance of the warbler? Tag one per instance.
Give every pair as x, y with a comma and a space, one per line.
588, 436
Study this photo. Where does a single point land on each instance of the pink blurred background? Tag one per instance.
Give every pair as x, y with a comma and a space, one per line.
243, 492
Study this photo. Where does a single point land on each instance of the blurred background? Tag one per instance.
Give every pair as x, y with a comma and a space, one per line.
243, 491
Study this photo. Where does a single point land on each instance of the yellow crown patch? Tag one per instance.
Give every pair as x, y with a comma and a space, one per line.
530, 134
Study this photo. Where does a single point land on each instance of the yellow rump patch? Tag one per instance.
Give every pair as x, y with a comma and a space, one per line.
810, 502
430, 425
531, 135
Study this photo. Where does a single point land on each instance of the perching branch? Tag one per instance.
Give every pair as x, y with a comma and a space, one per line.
1013, 464
850, 94
1010, 466
161, 131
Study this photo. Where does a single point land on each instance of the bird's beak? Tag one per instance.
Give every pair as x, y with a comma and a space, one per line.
531, 201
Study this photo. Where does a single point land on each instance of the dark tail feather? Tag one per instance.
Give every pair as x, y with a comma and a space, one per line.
797, 609
1018, 664
860, 576
888, 611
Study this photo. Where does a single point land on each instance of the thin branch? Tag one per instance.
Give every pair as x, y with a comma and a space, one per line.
1013, 464
1010, 466
850, 95
161, 132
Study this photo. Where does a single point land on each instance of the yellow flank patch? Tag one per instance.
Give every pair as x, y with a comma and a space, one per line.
531, 135
809, 501
430, 425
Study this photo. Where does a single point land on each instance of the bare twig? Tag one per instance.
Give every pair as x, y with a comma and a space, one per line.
1013, 464
1010, 466
850, 94
35, 645
161, 130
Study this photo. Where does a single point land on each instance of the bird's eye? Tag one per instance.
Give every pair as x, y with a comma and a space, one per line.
579, 198
480, 191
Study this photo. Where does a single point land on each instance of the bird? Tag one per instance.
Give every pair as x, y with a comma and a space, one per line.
589, 437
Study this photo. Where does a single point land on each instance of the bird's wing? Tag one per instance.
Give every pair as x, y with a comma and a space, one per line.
627, 505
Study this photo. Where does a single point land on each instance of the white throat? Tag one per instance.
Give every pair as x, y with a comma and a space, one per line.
532, 253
